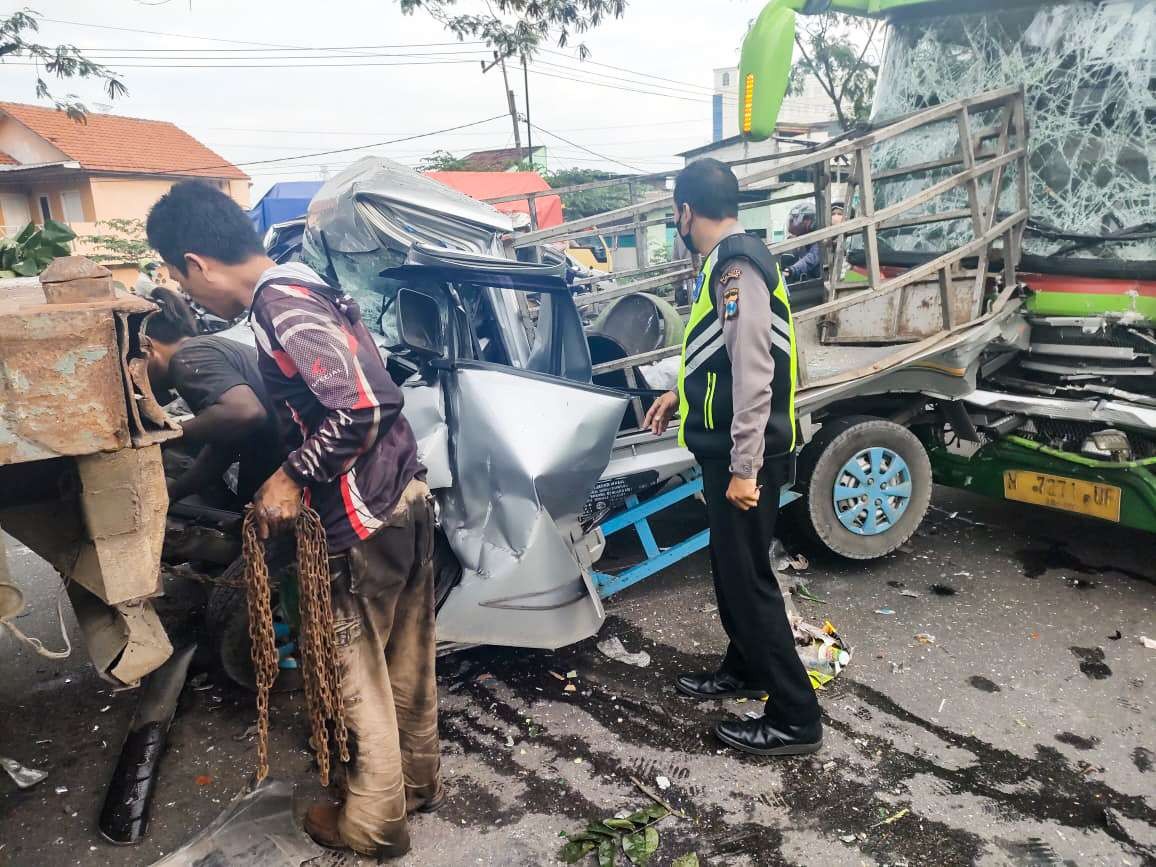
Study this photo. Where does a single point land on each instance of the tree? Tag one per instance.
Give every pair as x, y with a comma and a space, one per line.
839, 52
61, 61
586, 203
441, 161
123, 241
519, 27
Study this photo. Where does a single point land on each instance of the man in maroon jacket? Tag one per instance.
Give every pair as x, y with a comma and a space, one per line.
353, 458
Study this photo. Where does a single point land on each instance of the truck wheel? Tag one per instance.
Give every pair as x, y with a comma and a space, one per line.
865, 484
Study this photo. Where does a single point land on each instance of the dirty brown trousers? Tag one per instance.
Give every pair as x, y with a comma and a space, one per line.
383, 611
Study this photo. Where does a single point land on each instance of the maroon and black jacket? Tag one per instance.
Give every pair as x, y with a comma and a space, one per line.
352, 449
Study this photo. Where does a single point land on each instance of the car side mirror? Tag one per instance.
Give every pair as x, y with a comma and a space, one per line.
419, 324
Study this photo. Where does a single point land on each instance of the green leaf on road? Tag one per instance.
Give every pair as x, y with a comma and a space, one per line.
606, 853
688, 860
639, 847
619, 824
576, 850
649, 814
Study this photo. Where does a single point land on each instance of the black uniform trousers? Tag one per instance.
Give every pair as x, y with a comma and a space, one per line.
762, 648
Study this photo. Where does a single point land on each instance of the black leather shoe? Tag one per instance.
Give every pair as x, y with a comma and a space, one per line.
716, 684
765, 737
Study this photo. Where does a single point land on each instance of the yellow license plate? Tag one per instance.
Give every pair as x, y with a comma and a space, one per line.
1060, 492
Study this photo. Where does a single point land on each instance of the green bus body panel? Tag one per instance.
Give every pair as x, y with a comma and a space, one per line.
1090, 304
983, 474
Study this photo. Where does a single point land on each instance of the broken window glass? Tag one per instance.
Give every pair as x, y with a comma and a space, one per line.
1089, 73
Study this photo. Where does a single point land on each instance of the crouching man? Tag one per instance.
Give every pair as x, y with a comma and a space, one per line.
355, 460
218, 379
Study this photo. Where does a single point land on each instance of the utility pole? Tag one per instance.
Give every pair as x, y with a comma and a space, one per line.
529, 126
513, 106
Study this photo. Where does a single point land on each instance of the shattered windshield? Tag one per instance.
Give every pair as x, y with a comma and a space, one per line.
1088, 70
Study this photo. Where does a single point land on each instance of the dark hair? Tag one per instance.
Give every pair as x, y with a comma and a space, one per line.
710, 188
193, 217
175, 319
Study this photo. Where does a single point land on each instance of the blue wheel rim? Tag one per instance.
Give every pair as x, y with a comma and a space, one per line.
872, 491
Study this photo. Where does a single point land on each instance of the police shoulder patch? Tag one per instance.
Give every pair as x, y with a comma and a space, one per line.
731, 302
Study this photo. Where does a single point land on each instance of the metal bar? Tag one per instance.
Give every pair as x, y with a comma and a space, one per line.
635, 402
945, 296
914, 274
850, 227
649, 507
870, 232
636, 360
630, 288
678, 264
642, 528
610, 584
890, 131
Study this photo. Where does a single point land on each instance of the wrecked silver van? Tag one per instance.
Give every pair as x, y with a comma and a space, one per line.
496, 371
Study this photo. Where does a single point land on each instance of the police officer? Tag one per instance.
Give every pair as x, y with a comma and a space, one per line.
736, 401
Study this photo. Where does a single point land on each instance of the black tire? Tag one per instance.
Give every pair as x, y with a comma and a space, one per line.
820, 466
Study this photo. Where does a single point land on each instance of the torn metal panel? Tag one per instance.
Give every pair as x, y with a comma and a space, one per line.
1086, 68
425, 410
1107, 411
125, 641
524, 464
946, 367
378, 203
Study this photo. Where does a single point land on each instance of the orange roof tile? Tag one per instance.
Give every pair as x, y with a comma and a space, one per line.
6, 160
108, 142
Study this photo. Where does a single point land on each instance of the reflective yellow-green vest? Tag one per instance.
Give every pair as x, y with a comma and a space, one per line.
704, 379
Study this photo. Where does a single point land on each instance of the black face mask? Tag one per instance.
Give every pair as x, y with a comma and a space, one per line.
687, 239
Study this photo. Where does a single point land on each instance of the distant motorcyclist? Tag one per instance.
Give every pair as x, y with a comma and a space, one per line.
809, 265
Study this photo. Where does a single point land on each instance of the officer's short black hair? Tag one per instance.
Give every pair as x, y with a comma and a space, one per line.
194, 217
710, 188
174, 321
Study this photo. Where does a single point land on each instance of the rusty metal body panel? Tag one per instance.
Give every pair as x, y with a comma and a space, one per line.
66, 386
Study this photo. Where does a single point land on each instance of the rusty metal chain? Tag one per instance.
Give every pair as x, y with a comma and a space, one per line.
262, 643
319, 668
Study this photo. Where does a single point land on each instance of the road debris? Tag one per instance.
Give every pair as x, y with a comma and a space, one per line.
822, 650
256, 830
612, 648
23, 777
885, 611
909, 593
943, 590
634, 834
663, 783
61, 790
894, 817
1148, 642
925, 638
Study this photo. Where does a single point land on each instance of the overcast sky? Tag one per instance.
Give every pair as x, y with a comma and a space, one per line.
288, 106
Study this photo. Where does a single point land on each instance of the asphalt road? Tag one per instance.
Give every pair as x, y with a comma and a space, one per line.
1024, 734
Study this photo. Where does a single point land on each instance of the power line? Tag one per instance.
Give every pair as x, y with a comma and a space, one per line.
254, 49
587, 150
617, 78
689, 120
274, 65
631, 71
